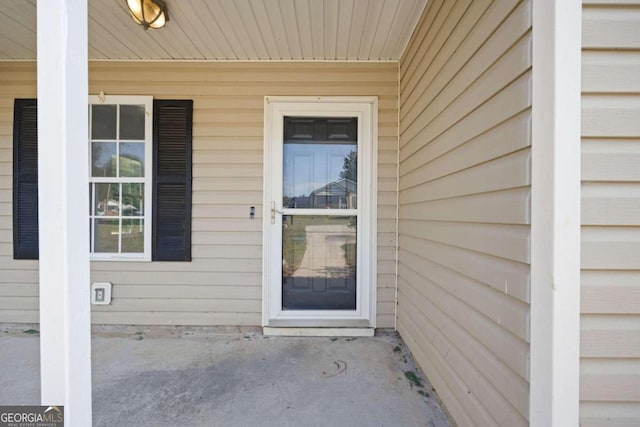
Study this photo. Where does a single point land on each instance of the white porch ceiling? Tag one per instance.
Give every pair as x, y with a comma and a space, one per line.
362, 30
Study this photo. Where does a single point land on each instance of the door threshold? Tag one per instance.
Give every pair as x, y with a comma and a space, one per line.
317, 332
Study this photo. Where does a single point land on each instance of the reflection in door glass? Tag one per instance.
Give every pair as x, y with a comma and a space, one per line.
320, 163
319, 262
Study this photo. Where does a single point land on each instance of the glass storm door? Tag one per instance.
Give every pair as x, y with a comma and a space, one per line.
319, 213
319, 220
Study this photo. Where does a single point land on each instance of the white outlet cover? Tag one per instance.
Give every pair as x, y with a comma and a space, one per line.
101, 293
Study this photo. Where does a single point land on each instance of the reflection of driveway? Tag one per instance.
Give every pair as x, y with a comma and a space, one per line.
325, 255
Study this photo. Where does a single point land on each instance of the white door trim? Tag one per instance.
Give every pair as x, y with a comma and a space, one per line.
275, 109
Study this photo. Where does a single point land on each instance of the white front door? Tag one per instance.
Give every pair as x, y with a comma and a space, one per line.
319, 212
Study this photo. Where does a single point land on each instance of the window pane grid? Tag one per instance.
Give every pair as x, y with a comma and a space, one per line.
123, 208
117, 181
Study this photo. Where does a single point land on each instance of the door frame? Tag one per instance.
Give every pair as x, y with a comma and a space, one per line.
275, 109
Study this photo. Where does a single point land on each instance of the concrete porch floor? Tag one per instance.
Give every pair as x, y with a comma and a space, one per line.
171, 376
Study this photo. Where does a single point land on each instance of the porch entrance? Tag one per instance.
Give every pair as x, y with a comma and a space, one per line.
318, 220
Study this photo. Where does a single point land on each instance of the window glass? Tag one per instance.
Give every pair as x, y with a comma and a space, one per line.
107, 201
132, 199
103, 122
132, 235
132, 159
103, 159
320, 176
320, 163
132, 122
319, 262
106, 235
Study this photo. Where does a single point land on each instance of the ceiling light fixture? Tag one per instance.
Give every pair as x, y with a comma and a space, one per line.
148, 13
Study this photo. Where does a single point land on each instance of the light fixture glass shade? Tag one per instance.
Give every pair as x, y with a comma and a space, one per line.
148, 13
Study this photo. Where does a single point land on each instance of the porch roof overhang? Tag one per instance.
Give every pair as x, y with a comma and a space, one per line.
230, 30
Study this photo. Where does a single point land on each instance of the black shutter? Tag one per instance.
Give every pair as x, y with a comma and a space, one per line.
25, 179
172, 132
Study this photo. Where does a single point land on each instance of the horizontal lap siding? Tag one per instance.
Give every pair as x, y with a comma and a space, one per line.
464, 225
222, 285
18, 279
610, 321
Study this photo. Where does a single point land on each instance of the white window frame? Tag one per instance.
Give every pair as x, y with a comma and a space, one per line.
147, 180
366, 110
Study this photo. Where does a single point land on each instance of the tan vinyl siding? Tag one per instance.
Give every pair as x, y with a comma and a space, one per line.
222, 285
464, 224
18, 279
610, 321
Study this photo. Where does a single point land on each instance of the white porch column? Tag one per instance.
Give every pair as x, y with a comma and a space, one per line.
65, 346
555, 214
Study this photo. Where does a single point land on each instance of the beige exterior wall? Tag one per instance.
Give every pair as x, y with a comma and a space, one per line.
222, 285
464, 225
610, 321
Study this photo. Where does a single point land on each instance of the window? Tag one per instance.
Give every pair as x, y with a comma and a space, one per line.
120, 177
139, 184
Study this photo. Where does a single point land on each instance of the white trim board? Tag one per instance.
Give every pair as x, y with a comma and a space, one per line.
555, 214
